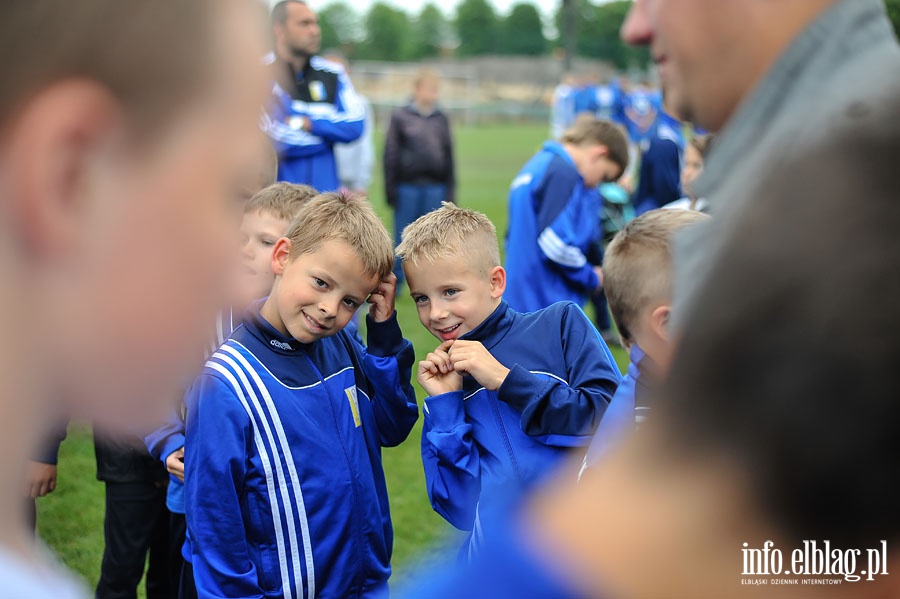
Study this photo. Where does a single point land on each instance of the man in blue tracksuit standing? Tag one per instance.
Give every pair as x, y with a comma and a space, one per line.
553, 215
660, 178
313, 104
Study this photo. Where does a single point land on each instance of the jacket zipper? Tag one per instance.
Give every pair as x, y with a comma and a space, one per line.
353, 482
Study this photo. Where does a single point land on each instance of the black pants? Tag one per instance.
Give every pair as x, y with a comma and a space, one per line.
183, 574
137, 521
187, 589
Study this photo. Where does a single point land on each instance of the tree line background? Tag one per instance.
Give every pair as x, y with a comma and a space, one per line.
389, 33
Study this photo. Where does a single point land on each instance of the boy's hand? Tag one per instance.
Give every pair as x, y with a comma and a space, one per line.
599, 272
473, 358
382, 299
175, 464
40, 479
436, 373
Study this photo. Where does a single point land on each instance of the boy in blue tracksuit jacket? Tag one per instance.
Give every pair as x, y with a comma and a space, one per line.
553, 215
638, 282
267, 216
285, 492
509, 393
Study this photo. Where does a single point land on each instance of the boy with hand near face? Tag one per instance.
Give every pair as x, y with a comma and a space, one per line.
509, 394
267, 216
285, 489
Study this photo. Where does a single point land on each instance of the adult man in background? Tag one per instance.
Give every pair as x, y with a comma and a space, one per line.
773, 78
313, 104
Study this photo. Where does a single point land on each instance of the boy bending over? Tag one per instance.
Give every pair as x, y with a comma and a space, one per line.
285, 492
509, 393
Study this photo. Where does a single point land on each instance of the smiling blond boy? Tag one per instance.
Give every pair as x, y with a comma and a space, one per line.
286, 490
509, 394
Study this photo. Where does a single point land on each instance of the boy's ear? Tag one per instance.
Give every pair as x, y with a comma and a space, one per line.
498, 281
53, 149
659, 321
601, 152
280, 255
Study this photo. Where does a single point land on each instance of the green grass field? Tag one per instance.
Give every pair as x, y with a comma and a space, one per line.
70, 520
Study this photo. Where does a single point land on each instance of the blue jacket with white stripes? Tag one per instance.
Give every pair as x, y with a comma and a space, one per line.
553, 219
479, 446
285, 491
170, 436
323, 95
659, 182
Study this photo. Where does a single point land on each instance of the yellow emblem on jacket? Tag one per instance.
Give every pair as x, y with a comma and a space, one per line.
354, 405
316, 91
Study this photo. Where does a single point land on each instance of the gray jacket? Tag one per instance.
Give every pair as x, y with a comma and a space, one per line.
841, 71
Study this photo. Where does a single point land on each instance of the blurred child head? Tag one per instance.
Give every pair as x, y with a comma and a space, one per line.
123, 126
267, 217
426, 88
694, 159
637, 279
452, 264
598, 148
334, 255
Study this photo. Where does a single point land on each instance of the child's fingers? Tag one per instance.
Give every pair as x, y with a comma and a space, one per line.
441, 361
427, 366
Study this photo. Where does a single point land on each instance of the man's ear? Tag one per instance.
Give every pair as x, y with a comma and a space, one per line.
278, 30
280, 255
498, 281
600, 152
659, 321
52, 150
54, 146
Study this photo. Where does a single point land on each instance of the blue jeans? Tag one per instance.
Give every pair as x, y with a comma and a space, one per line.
414, 200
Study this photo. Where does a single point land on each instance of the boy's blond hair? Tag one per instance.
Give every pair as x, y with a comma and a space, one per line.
637, 266
347, 217
451, 232
588, 130
282, 200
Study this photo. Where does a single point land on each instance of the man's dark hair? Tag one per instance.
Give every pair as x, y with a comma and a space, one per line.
790, 359
279, 11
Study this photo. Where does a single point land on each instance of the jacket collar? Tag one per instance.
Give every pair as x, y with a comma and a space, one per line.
268, 335
556, 148
494, 328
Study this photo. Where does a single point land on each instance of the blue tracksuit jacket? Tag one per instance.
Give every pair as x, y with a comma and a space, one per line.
170, 436
553, 219
624, 410
660, 177
480, 445
512, 564
285, 492
322, 93
642, 107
